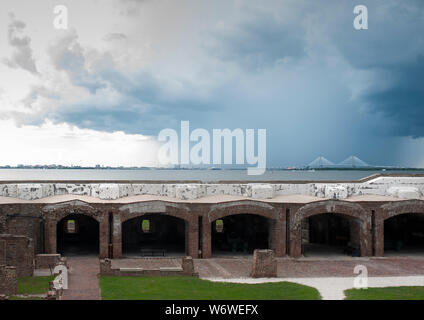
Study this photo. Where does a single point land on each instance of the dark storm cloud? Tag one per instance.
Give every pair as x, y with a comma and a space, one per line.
22, 56
403, 102
127, 120
145, 106
394, 35
132, 115
258, 43
392, 49
317, 85
142, 102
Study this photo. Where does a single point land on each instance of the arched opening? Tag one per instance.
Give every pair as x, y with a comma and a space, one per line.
78, 235
153, 235
239, 234
404, 234
330, 234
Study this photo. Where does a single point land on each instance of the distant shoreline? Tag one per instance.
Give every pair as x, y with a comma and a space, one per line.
212, 169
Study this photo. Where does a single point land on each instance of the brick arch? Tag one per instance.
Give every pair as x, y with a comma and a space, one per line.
157, 207
392, 209
226, 209
135, 210
54, 213
276, 220
344, 208
61, 210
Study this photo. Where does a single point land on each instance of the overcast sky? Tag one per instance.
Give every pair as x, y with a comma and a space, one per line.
101, 91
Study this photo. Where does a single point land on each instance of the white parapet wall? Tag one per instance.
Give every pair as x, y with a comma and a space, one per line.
262, 191
187, 192
397, 187
404, 192
109, 191
29, 191
335, 191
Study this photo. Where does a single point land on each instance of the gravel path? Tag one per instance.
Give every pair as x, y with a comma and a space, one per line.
333, 288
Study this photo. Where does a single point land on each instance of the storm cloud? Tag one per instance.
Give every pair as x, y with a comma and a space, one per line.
296, 68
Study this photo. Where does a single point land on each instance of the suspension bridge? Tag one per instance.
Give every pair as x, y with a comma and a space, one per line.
349, 162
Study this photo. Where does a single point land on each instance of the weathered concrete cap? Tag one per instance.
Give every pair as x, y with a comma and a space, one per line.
30, 191
186, 192
171, 269
335, 192
109, 191
130, 269
262, 191
404, 192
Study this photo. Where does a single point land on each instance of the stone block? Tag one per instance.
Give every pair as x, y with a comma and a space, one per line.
186, 192
109, 191
336, 192
106, 267
9, 190
262, 191
187, 265
8, 280
125, 190
30, 191
264, 264
47, 190
404, 192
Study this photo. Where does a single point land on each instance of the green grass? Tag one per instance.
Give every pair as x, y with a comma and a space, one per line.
145, 225
25, 298
34, 285
189, 288
389, 293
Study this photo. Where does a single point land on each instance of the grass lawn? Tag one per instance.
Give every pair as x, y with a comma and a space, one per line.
389, 293
24, 298
188, 288
34, 285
